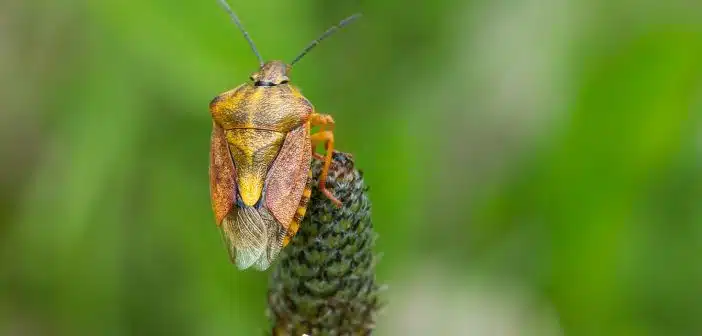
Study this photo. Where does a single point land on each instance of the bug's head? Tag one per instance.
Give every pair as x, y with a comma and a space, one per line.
271, 74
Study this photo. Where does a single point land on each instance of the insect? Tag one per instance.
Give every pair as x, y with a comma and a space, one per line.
260, 154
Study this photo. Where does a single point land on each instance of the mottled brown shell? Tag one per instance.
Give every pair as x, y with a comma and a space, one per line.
288, 175
222, 174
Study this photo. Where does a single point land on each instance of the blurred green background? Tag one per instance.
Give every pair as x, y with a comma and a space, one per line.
534, 165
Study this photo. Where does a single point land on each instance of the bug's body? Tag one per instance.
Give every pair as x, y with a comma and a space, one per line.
260, 167
260, 153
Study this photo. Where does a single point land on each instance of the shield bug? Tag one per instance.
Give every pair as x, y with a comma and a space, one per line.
260, 154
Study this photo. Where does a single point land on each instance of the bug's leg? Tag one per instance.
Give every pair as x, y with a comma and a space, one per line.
325, 122
328, 138
325, 134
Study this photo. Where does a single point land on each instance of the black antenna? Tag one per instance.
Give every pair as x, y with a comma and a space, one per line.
325, 35
241, 27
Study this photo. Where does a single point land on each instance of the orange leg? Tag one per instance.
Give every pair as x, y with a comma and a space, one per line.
323, 121
325, 135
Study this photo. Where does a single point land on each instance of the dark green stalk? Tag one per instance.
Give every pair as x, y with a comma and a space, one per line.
324, 283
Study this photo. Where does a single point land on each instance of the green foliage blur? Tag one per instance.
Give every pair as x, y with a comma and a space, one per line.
534, 165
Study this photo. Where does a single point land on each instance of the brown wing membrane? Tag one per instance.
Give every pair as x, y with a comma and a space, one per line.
222, 175
253, 237
287, 177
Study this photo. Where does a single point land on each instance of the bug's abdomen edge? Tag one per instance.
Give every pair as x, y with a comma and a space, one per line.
300, 213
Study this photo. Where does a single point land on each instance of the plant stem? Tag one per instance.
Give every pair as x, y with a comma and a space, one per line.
324, 283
